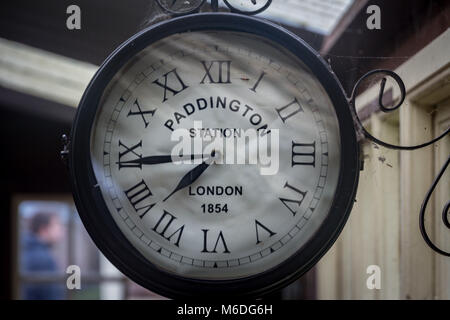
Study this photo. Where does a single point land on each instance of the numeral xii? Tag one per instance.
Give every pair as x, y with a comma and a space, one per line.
217, 71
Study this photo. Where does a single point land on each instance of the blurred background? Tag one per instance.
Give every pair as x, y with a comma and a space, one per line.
45, 67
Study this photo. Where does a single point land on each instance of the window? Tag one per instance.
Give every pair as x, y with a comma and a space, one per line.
50, 237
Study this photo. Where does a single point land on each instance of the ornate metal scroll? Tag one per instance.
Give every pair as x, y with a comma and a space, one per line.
445, 212
383, 108
180, 7
183, 7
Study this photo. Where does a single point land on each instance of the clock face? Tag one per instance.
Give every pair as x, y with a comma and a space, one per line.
237, 218
217, 159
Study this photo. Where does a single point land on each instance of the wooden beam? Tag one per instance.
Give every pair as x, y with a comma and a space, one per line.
342, 25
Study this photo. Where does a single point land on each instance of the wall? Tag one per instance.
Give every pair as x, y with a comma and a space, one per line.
383, 228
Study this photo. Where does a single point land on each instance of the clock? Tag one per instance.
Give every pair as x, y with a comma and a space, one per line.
214, 155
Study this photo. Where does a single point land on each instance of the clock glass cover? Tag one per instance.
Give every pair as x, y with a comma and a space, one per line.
208, 214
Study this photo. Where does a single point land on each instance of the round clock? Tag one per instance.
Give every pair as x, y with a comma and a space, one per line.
214, 155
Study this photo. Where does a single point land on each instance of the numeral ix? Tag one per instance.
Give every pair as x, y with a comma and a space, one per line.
127, 153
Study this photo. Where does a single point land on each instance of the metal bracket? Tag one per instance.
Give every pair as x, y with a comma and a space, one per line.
65, 151
192, 6
367, 135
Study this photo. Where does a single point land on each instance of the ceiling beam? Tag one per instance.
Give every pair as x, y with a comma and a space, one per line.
342, 26
43, 74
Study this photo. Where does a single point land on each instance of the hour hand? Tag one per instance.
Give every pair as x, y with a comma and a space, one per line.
192, 176
189, 178
163, 159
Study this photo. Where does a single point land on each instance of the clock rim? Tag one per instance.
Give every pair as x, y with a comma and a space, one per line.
117, 248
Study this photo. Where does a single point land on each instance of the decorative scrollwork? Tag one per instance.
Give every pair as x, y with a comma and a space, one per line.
65, 151
445, 212
180, 7
401, 86
383, 108
250, 12
184, 7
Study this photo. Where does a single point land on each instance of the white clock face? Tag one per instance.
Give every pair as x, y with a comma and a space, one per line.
216, 219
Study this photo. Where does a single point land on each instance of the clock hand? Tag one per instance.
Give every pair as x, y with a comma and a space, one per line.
190, 177
162, 159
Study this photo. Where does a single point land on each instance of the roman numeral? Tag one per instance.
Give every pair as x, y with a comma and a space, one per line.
130, 151
138, 112
217, 71
137, 196
176, 84
259, 225
298, 201
165, 221
219, 238
258, 81
303, 154
289, 110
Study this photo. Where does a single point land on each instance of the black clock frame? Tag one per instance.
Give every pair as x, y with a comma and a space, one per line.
106, 234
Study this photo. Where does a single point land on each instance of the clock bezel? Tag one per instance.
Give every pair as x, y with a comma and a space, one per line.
99, 222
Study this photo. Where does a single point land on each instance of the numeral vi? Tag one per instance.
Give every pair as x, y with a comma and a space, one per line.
220, 238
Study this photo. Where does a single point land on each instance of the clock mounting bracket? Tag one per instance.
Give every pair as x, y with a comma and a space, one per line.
172, 7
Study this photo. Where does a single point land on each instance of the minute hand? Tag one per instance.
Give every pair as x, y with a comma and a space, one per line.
163, 159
